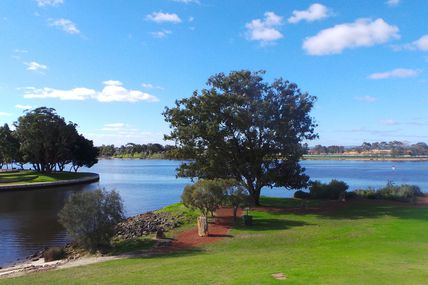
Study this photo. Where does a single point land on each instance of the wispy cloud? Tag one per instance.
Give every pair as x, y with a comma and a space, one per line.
113, 91
23, 107
35, 66
361, 33
389, 122
395, 73
419, 44
368, 99
43, 3
123, 133
5, 114
265, 30
315, 12
66, 25
161, 34
392, 3
160, 17
151, 86
187, 1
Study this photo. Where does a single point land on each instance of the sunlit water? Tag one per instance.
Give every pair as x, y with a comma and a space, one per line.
28, 219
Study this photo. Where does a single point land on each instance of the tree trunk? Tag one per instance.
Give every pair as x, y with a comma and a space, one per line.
202, 226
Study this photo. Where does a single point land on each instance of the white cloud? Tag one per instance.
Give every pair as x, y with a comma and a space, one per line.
361, 33
389, 122
265, 30
315, 12
5, 114
35, 66
161, 34
395, 73
160, 17
42, 3
392, 3
79, 94
115, 125
151, 86
117, 93
24, 107
368, 99
65, 25
421, 44
187, 1
113, 91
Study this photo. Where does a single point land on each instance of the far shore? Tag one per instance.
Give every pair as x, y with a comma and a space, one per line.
312, 157
365, 158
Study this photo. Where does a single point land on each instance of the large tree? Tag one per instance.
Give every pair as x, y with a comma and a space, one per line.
9, 146
244, 128
49, 143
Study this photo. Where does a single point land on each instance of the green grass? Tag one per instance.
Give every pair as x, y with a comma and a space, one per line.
366, 242
30, 176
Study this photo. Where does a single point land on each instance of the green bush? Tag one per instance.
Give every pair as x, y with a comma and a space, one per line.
301, 195
205, 195
90, 217
332, 190
54, 253
404, 192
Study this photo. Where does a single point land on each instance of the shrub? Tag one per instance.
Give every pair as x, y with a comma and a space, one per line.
205, 195
301, 195
90, 217
236, 196
404, 192
332, 190
53, 253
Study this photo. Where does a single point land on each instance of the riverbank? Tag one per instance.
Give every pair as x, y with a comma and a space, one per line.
29, 180
321, 243
365, 158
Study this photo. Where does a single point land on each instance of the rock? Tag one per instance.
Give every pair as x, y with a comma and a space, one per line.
145, 224
160, 234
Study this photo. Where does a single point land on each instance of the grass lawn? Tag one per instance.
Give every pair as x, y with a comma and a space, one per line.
30, 176
366, 242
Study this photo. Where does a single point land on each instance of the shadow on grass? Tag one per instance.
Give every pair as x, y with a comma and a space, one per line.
352, 209
178, 252
262, 224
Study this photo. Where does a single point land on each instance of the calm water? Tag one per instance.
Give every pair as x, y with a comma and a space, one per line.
28, 220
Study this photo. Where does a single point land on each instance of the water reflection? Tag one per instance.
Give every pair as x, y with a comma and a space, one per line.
29, 220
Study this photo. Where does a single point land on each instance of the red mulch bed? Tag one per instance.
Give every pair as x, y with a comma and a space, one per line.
217, 230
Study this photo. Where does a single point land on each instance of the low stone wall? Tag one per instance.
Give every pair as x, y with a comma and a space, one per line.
91, 178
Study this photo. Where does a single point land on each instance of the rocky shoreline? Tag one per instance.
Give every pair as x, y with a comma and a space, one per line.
131, 228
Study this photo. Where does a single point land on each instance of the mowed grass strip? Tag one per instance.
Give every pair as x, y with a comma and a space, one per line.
30, 176
362, 243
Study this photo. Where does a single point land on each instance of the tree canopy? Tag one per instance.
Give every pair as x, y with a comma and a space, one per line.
244, 128
49, 143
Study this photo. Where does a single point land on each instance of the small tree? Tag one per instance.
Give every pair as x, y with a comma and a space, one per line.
236, 196
205, 195
89, 217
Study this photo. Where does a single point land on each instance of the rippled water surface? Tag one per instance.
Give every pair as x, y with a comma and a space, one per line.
28, 220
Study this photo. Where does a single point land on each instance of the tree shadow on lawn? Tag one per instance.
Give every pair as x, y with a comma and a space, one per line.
354, 209
172, 252
272, 224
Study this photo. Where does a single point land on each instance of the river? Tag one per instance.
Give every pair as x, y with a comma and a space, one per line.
28, 219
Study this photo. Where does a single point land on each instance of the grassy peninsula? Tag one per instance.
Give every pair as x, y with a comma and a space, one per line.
30, 176
357, 242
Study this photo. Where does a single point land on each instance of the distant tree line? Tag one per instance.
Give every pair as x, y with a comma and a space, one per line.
46, 141
132, 150
390, 148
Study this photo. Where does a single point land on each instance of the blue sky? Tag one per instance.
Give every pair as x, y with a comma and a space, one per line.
112, 66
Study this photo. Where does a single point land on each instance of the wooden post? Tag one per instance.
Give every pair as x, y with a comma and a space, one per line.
202, 226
